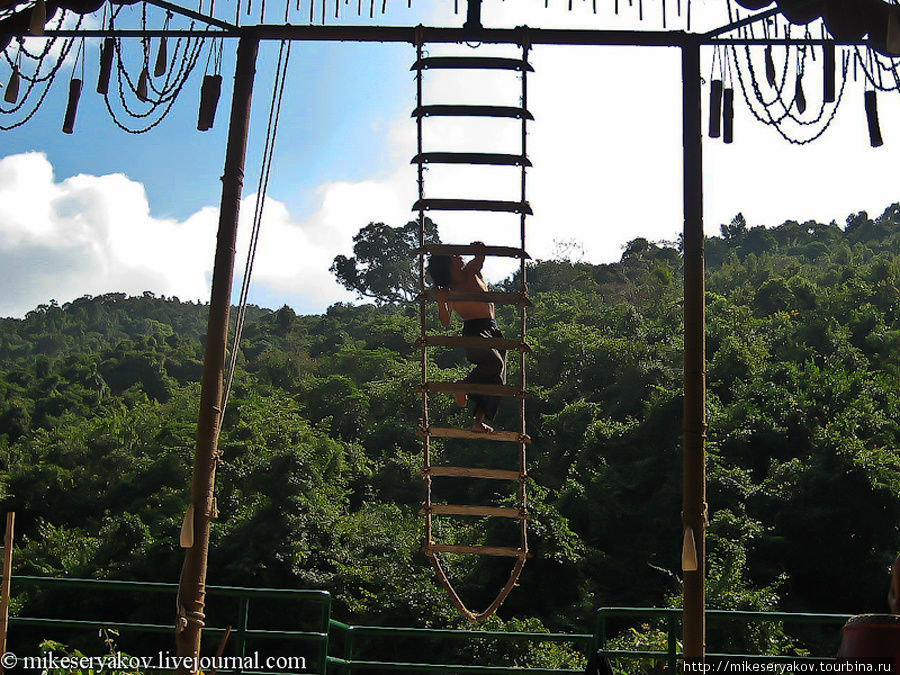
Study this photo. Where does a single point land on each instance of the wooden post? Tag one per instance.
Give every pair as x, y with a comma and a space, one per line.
192, 586
5, 582
694, 487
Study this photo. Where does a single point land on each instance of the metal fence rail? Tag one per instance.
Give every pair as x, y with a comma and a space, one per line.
673, 621
325, 633
352, 634
242, 632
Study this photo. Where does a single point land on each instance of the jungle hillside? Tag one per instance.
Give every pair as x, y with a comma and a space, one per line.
319, 485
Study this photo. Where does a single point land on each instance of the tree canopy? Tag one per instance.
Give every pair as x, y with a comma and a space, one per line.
384, 265
319, 485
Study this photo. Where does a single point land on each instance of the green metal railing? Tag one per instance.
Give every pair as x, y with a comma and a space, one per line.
352, 634
352, 638
673, 625
241, 634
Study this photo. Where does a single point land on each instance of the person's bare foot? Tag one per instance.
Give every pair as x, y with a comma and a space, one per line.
481, 427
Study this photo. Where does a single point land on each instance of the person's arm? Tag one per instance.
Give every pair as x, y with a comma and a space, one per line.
443, 306
475, 264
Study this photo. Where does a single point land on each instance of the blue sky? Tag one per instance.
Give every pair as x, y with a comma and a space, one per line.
324, 137
102, 210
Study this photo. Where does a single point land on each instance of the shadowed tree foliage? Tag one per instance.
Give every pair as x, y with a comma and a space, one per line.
319, 485
384, 266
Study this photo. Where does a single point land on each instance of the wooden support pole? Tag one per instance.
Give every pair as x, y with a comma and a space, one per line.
694, 487
192, 587
5, 582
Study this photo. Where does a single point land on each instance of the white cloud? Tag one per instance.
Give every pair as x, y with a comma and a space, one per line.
88, 235
293, 258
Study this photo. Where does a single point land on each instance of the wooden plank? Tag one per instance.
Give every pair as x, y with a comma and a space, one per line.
471, 63
472, 472
5, 581
509, 112
451, 432
477, 296
471, 510
478, 550
494, 205
468, 249
481, 158
469, 388
474, 342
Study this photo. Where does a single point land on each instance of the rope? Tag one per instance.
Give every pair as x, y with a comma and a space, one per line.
281, 68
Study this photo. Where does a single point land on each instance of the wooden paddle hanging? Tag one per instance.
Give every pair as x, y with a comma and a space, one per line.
770, 66
12, 88
715, 96
162, 58
142, 85
828, 72
72, 106
162, 54
799, 96
75, 85
875, 139
715, 109
107, 51
728, 115
210, 91
38, 18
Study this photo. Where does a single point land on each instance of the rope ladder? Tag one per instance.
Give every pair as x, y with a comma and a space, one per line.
428, 431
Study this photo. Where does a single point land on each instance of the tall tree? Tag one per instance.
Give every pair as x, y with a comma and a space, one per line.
384, 263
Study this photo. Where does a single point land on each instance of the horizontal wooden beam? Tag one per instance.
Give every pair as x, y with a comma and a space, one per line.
467, 510
479, 550
473, 472
535, 36
468, 249
490, 205
451, 432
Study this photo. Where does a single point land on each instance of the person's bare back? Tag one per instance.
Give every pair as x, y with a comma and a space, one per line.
466, 277
450, 273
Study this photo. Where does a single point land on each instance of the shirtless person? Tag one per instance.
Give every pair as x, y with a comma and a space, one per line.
450, 273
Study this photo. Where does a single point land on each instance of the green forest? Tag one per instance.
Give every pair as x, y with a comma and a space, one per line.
319, 483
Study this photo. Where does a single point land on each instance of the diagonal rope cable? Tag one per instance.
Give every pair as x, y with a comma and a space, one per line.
281, 68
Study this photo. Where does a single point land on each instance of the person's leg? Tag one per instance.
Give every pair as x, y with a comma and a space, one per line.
490, 368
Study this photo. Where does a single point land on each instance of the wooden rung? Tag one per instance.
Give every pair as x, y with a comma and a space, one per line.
472, 472
466, 510
496, 205
468, 249
481, 158
471, 63
472, 111
478, 296
473, 342
478, 550
451, 432
469, 388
